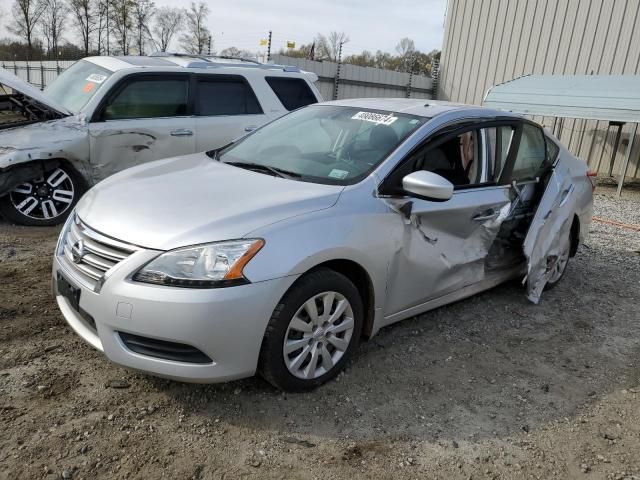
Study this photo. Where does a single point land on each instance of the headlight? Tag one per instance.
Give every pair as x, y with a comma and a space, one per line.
204, 266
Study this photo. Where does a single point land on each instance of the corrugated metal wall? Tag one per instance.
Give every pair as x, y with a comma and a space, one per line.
361, 82
487, 42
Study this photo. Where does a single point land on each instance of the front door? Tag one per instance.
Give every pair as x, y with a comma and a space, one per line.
442, 246
145, 118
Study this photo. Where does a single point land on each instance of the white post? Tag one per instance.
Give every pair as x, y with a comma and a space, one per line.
625, 164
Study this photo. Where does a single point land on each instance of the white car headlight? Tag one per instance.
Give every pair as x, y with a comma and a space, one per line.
211, 265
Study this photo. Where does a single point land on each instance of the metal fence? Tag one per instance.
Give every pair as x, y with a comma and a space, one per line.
39, 74
339, 81
347, 81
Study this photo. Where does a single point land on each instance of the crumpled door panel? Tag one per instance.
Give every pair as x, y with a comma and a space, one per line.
549, 231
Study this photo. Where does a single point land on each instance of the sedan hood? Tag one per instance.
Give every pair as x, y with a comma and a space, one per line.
10, 80
193, 199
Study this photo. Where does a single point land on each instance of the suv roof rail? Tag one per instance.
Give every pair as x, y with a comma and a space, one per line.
205, 61
203, 56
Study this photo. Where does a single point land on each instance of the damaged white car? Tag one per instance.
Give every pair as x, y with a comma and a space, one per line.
105, 114
281, 251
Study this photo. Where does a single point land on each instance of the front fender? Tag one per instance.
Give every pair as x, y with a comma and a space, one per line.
12, 177
295, 246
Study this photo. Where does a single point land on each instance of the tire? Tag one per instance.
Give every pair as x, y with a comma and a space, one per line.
44, 201
291, 322
560, 266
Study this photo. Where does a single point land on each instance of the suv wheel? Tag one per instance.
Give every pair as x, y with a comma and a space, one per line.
44, 201
312, 332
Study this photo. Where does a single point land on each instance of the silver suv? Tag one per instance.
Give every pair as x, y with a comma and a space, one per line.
105, 114
279, 252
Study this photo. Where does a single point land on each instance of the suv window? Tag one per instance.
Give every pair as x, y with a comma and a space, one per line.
226, 95
292, 92
532, 154
150, 98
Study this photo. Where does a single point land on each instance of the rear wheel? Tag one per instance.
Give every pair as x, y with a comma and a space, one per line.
560, 264
313, 331
46, 200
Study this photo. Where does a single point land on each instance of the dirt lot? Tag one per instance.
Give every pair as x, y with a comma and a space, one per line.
491, 387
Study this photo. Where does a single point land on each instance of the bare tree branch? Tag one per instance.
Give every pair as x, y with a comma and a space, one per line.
167, 21
143, 11
26, 15
197, 36
52, 21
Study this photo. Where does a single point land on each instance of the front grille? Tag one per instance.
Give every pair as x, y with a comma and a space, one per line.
178, 352
91, 254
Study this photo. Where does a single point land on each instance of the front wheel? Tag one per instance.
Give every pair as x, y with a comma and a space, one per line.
313, 331
46, 200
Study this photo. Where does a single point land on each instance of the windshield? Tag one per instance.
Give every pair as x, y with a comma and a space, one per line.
77, 84
324, 143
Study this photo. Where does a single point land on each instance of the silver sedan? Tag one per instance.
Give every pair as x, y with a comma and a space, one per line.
278, 253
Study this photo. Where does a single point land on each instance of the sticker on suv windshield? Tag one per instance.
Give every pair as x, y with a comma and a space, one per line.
96, 78
379, 118
339, 174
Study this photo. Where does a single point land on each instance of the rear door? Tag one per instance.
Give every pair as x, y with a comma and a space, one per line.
549, 234
145, 117
226, 108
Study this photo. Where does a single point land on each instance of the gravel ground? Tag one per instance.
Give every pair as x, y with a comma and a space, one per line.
490, 387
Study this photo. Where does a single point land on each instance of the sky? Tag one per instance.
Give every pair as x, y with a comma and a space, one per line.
370, 24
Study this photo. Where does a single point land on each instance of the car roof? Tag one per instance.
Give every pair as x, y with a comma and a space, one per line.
192, 62
421, 107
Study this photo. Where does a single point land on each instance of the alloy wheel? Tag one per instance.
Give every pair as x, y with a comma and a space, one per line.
318, 335
560, 263
44, 198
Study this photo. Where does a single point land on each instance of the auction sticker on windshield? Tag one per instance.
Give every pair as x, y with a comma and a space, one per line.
96, 78
336, 173
379, 118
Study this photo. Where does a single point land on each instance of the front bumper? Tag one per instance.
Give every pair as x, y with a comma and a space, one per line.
226, 324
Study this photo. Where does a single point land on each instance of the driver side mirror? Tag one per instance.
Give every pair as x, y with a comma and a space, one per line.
428, 186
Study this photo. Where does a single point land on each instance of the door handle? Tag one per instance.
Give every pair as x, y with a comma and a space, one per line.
181, 132
250, 128
483, 217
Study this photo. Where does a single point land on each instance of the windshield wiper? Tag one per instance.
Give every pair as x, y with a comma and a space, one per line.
275, 171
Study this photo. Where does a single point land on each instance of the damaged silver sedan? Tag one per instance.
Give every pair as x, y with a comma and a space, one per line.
278, 253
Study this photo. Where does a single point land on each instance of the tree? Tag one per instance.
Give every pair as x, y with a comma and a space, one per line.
167, 21
52, 22
198, 35
328, 46
143, 10
84, 19
121, 22
364, 59
236, 52
102, 26
26, 15
405, 46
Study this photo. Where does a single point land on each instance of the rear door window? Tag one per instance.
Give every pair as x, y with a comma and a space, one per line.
226, 95
532, 154
498, 143
150, 98
293, 93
